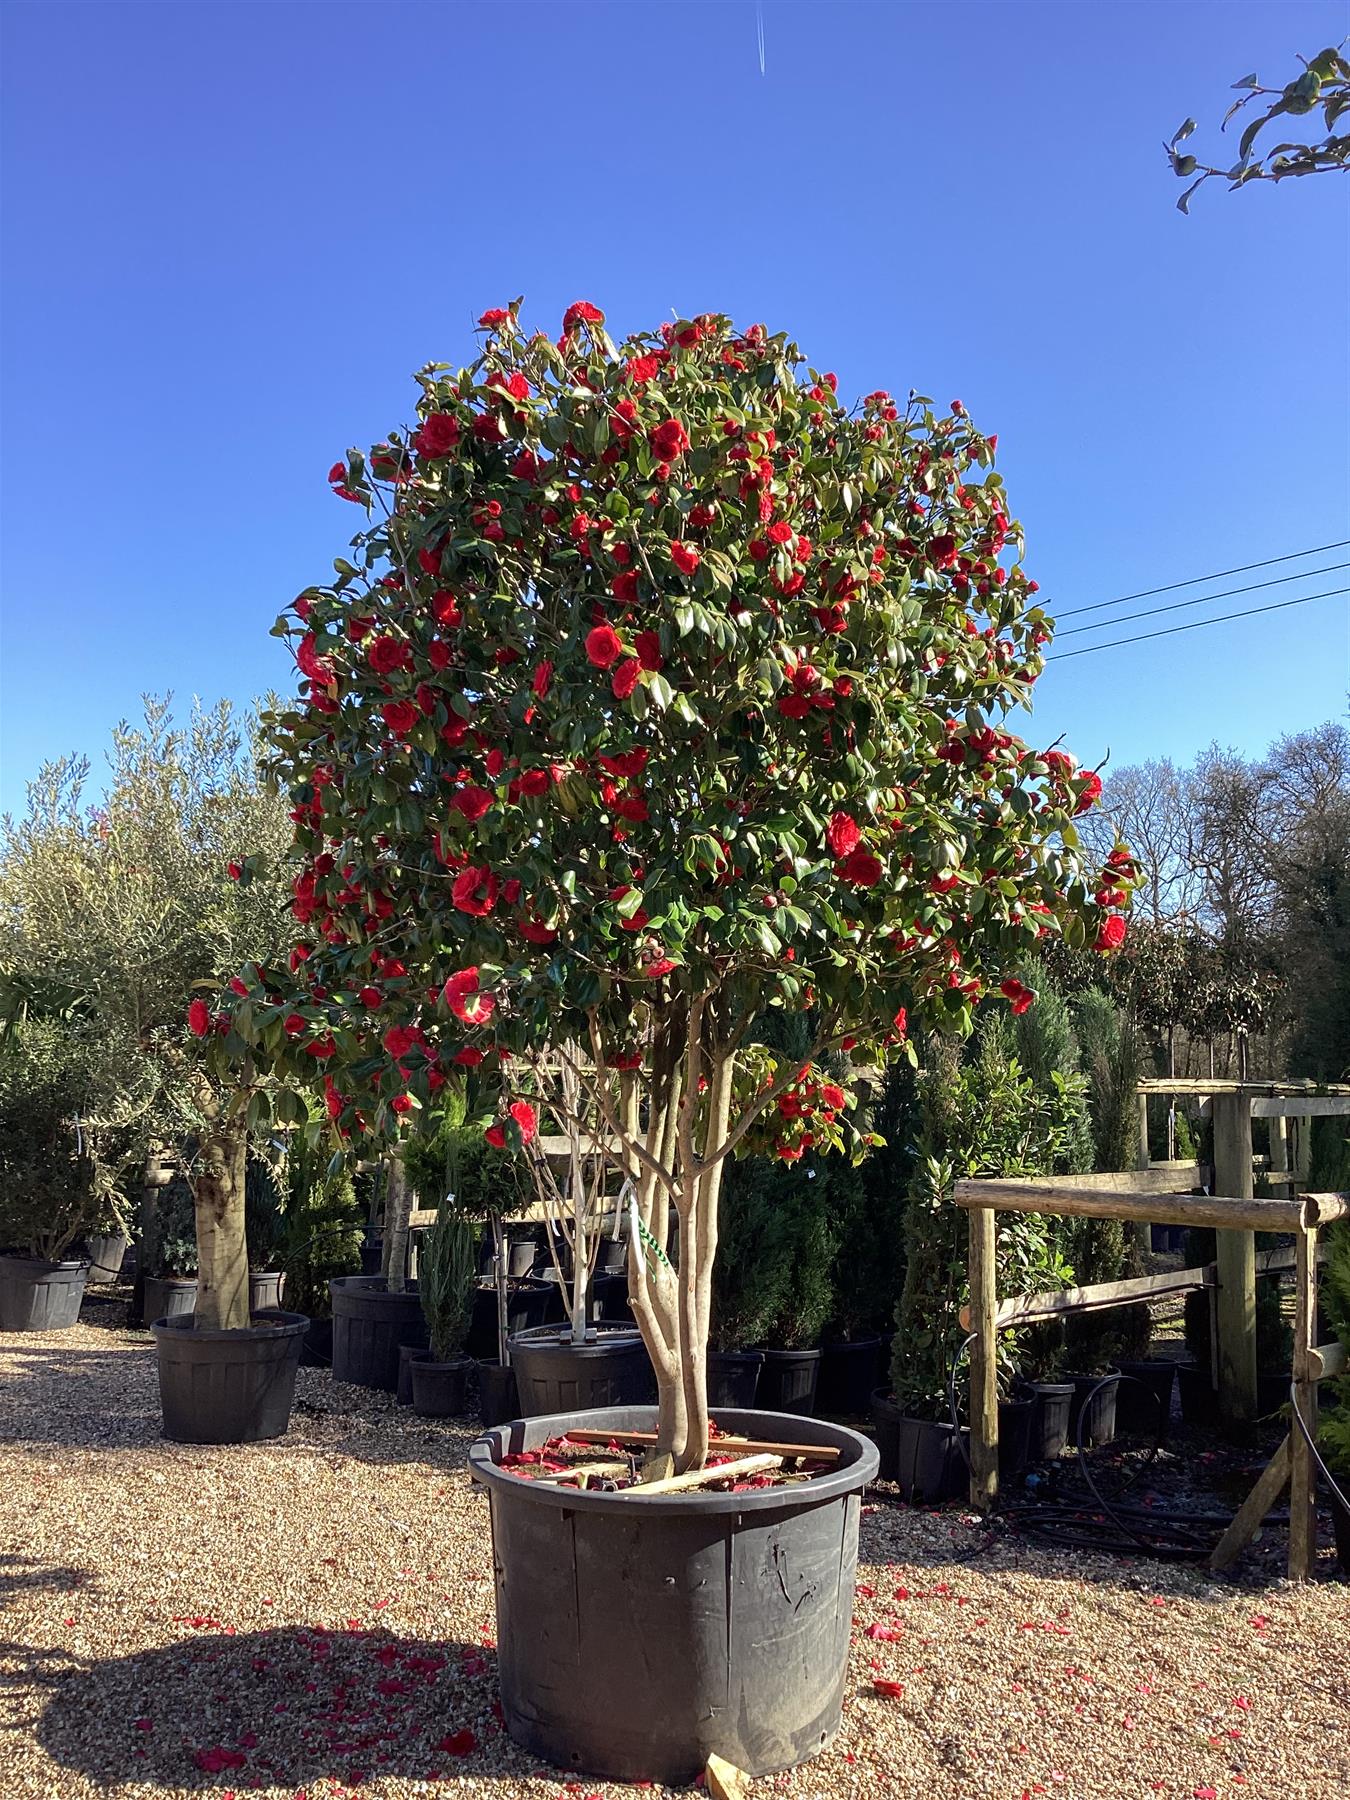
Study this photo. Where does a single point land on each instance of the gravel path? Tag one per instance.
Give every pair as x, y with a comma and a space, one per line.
314, 1617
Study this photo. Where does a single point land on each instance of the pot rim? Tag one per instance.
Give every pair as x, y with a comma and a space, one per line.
22, 1260
782, 1427
278, 1325
424, 1362
378, 1284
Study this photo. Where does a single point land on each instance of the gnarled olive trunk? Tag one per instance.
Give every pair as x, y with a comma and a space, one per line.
222, 1249
397, 1210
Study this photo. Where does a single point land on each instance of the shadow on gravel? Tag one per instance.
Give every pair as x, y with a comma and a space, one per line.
287, 1708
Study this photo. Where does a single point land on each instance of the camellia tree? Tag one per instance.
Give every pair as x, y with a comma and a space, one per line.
662, 691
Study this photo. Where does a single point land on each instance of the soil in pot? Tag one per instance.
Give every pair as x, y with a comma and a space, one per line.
848, 1374
1199, 1398
1094, 1403
787, 1382
264, 1290
1144, 1397
527, 1304
498, 1401
1049, 1433
554, 1375
36, 1295
733, 1377
228, 1387
168, 1297
440, 1390
634, 1636
106, 1256
369, 1324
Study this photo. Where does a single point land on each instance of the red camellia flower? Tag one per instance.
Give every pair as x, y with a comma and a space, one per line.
465, 999
685, 557
400, 716
626, 677
624, 587
860, 868
668, 440
539, 681
648, 646
475, 891
295, 1026
1020, 996
494, 316
370, 998
1091, 794
400, 1039
833, 1096
524, 1115
582, 312
318, 668
843, 834
438, 436
199, 1018
473, 802
1112, 933
603, 647
388, 654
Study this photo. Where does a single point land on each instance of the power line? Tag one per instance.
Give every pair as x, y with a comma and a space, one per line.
1195, 580
1151, 612
1196, 624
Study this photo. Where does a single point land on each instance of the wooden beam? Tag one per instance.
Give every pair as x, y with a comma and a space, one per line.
1209, 1084
1325, 1209
984, 1358
1327, 1361
1223, 1213
1314, 1106
1236, 1259
1276, 1261
1025, 1309
1247, 1520
1302, 1470
697, 1478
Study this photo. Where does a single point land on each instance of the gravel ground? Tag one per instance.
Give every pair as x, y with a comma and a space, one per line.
314, 1618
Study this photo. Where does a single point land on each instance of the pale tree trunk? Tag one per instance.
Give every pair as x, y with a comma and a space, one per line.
222, 1251
397, 1207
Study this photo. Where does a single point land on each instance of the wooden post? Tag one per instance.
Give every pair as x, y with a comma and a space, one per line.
1279, 1150
1302, 1149
984, 1357
1302, 1474
1236, 1257
1141, 1154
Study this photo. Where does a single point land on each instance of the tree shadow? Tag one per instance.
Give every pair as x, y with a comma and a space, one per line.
285, 1708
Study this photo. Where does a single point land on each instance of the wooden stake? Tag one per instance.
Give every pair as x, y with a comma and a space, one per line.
579, 1472
696, 1478
811, 1452
1302, 1473
1236, 1258
983, 1358
724, 1781
1247, 1520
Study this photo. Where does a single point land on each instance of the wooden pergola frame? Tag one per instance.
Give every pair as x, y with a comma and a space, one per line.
1233, 1217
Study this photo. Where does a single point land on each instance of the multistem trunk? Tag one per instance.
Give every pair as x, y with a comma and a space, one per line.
222, 1250
397, 1207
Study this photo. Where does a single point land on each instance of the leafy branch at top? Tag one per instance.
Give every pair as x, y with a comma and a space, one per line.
1324, 84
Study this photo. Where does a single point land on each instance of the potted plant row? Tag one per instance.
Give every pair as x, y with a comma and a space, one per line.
675, 701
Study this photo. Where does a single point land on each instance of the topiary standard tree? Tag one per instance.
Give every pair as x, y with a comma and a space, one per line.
661, 690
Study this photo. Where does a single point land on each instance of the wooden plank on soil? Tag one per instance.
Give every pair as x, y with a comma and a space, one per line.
751, 1446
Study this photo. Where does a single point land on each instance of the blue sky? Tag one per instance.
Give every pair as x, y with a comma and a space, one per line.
232, 232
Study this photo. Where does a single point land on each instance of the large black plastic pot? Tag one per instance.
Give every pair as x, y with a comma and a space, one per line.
407, 1355
1144, 1398
521, 1258
886, 1429
1199, 1397
228, 1387
733, 1377
36, 1295
369, 1324
372, 1255
1015, 1421
1050, 1427
1094, 1404
848, 1374
635, 1637
922, 1456
168, 1297
554, 1375
609, 1300
106, 1255
498, 1401
787, 1382
439, 1390
264, 1290
527, 1304
317, 1352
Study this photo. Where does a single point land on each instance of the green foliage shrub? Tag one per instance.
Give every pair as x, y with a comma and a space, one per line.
48, 1194
321, 1228
771, 1279
262, 1212
169, 1247
446, 1280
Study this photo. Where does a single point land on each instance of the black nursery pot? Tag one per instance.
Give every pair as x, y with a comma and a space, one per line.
1144, 1398
1015, 1420
408, 1354
1199, 1397
372, 1255
168, 1297
369, 1324
733, 1377
787, 1382
36, 1295
107, 1252
848, 1374
527, 1304
1049, 1432
922, 1455
228, 1387
498, 1401
1340, 1529
1094, 1403
553, 1375
609, 1300
440, 1390
317, 1349
264, 1290
635, 1637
